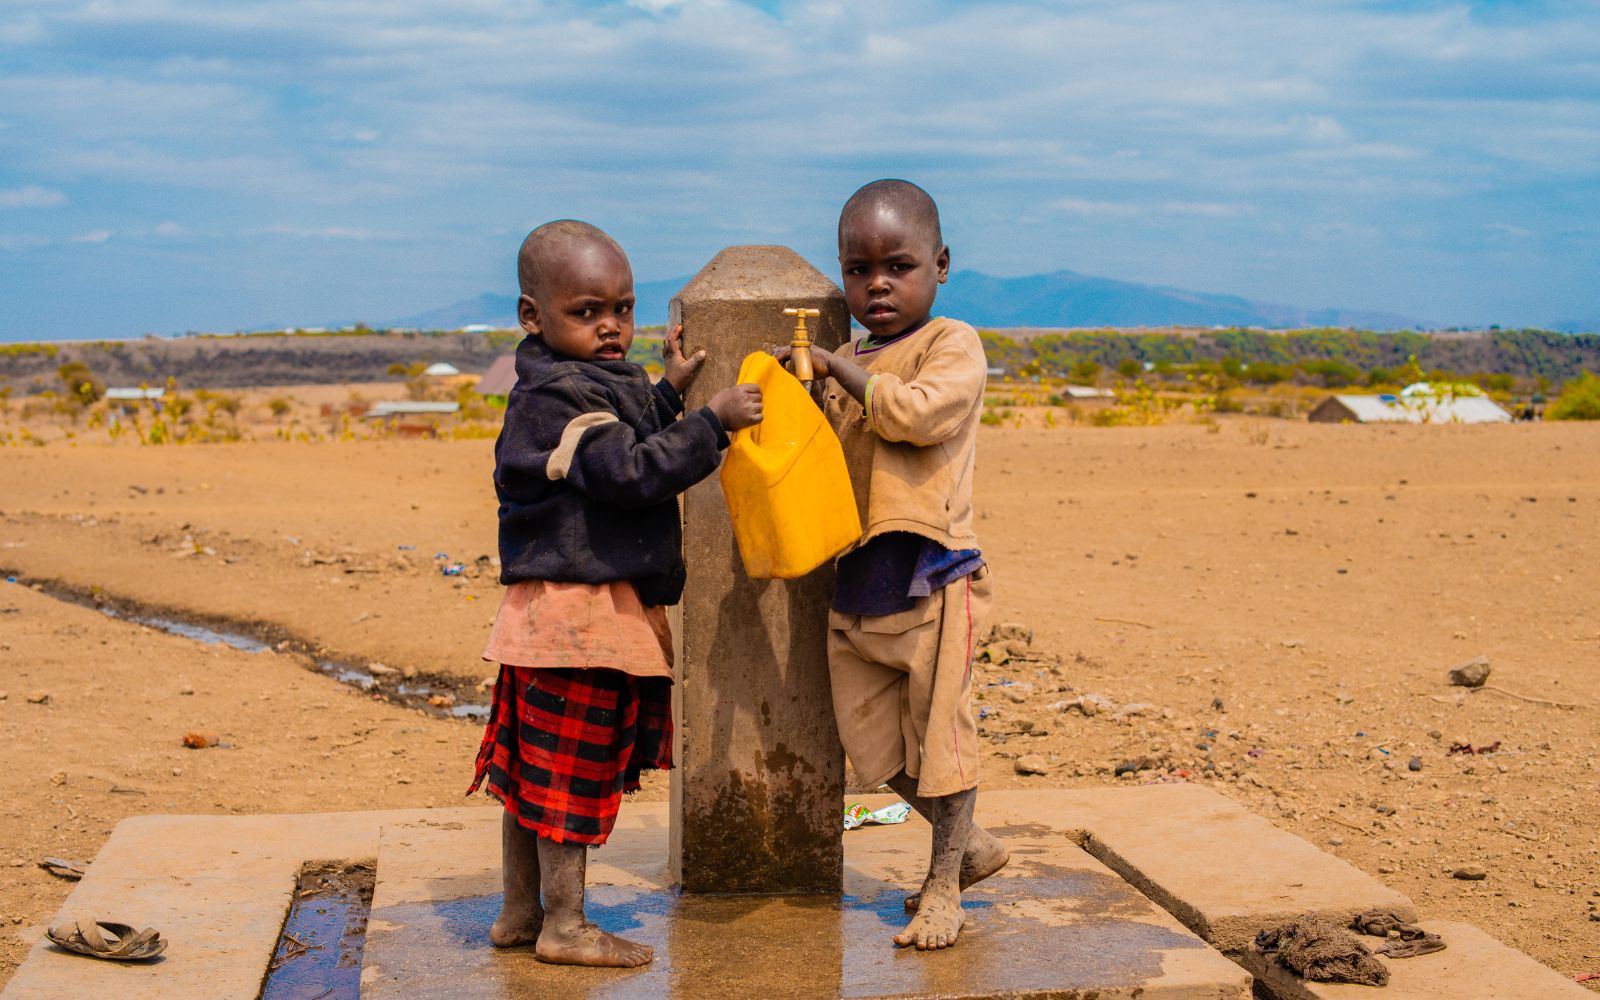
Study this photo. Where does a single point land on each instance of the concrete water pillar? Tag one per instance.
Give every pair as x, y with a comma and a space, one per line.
759, 783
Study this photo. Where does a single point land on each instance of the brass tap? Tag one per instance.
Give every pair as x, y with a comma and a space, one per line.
801, 356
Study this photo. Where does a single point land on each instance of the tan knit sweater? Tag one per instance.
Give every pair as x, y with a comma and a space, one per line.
912, 448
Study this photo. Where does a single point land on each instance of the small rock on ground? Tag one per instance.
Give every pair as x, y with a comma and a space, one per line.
1033, 763
1472, 673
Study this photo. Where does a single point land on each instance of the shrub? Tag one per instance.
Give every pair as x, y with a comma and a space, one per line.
82, 386
1580, 400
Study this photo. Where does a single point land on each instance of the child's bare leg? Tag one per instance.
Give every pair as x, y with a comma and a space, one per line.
985, 853
568, 938
939, 917
521, 916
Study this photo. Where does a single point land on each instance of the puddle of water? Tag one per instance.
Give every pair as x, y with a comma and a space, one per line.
324, 935
415, 695
200, 633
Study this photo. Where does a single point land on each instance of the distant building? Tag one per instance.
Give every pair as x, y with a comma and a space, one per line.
1418, 403
1086, 392
406, 408
441, 369
499, 380
135, 392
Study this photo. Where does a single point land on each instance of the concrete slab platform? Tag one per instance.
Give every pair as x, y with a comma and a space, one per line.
1474, 966
217, 887
1055, 923
1222, 870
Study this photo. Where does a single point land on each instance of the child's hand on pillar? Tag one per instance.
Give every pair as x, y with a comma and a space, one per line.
680, 371
737, 406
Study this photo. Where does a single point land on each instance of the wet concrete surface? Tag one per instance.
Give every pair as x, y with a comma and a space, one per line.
1056, 923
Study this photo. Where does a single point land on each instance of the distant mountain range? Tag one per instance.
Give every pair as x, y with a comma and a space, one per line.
1058, 299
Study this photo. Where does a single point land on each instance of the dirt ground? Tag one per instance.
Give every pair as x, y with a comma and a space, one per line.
1278, 601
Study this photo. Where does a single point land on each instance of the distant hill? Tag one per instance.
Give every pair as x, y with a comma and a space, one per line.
1059, 299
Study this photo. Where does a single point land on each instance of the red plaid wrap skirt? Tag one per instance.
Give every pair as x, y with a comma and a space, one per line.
562, 746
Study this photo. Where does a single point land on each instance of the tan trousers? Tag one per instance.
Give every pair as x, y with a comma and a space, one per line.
902, 688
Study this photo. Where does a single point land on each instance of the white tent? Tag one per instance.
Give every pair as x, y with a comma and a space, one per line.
441, 368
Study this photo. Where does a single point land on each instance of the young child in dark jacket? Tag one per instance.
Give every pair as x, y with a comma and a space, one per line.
588, 468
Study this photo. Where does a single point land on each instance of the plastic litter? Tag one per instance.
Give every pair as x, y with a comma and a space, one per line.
856, 814
452, 569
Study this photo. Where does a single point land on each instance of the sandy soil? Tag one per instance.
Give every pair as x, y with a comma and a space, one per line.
1287, 598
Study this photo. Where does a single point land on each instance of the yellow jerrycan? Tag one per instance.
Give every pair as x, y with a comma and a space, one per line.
785, 481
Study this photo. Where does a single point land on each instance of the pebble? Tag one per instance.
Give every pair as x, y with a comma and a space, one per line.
1033, 763
1414, 764
1343, 697
39, 698
380, 670
1470, 873
186, 689
1336, 841
1472, 673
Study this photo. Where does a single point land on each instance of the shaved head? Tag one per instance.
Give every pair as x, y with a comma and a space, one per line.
901, 201
553, 243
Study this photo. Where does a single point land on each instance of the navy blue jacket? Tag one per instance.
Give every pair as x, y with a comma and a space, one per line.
588, 468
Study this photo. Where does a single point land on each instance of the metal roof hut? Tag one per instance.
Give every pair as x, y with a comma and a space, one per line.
1418, 403
498, 381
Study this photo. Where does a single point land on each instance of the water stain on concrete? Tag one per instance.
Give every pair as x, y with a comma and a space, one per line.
1043, 930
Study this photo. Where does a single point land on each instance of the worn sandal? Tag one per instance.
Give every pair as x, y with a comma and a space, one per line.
103, 939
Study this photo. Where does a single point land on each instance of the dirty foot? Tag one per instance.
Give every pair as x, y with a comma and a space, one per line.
513, 929
985, 855
589, 945
937, 923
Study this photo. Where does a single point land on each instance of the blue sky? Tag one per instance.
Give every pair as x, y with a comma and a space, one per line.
169, 165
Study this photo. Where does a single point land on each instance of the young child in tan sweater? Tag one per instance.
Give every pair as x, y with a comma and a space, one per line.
910, 595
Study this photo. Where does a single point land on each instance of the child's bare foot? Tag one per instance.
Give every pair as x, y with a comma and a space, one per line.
938, 921
985, 855
513, 929
587, 944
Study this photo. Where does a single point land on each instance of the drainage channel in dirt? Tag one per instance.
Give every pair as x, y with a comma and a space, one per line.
435, 694
318, 956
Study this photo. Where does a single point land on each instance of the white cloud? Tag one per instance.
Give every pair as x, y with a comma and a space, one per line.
169, 228
93, 236
31, 196
351, 120
1083, 206
318, 233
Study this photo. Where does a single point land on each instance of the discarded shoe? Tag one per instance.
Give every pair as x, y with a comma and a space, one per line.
104, 939
1405, 940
